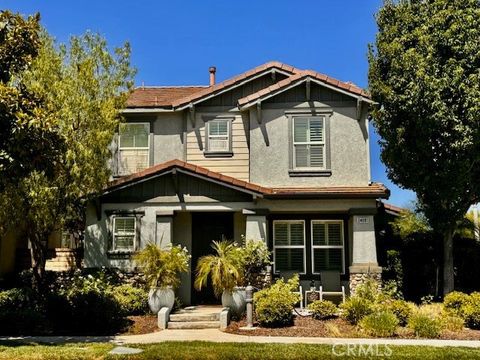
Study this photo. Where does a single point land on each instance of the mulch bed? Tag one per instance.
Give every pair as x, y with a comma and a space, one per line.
144, 324
308, 327
303, 326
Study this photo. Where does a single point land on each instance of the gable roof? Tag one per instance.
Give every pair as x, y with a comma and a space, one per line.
179, 97
375, 190
299, 78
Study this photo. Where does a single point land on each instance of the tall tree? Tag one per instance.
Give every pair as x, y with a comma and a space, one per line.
425, 75
28, 137
84, 86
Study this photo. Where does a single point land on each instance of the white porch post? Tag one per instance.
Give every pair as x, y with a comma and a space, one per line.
364, 251
164, 229
256, 224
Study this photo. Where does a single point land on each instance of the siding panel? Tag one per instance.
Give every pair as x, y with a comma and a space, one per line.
236, 166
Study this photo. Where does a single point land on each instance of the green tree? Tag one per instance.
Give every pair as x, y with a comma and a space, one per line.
28, 138
83, 86
424, 74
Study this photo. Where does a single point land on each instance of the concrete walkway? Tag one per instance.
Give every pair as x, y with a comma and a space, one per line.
215, 335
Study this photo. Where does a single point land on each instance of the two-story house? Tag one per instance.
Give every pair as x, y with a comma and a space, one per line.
277, 154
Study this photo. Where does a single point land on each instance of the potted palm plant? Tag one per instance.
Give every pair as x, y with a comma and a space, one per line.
225, 271
161, 268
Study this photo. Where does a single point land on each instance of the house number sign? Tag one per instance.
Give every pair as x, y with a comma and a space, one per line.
362, 220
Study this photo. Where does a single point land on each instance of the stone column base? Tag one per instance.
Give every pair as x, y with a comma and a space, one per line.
360, 273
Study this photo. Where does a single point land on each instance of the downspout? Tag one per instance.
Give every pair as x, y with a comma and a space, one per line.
367, 147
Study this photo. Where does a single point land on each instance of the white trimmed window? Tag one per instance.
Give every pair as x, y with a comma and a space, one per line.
218, 135
134, 147
328, 250
309, 142
124, 233
289, 245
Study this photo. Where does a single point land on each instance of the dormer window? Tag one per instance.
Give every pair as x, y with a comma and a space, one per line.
218, 137
133, 147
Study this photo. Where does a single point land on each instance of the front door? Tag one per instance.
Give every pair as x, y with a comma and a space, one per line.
208, 227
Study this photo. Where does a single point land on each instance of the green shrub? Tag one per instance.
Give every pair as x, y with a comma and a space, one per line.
21, 312
87, 307
322, 309
274, 305
425, 324
453, 323
356, 308
369, 290
400, 308
380, 324
454, 302
471, 311
132, 300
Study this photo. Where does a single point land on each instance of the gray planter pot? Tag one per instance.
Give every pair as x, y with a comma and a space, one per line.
235, 300
161, 297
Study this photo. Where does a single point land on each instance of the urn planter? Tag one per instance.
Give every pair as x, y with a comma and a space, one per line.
161, 297
236, 300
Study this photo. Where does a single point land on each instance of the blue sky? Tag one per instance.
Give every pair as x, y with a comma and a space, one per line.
174, 42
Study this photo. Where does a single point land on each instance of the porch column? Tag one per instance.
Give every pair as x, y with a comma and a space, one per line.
164, 229
256, 224
364, 252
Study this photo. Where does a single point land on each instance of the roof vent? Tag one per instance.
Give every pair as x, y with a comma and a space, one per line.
212, 70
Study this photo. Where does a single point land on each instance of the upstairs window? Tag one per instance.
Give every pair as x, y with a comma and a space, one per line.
134, 147
289, 246
327, 246
218, 136
309, 142
124, 233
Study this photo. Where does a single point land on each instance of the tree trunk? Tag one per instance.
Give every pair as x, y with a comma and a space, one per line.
448, 277
38, 252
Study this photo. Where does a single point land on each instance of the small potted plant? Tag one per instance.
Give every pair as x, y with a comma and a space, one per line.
161, 268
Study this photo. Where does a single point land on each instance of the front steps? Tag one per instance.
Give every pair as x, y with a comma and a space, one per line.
199, 317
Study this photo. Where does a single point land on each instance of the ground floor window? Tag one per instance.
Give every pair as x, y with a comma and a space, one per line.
327, 246
124, 233
308, 245
289, 245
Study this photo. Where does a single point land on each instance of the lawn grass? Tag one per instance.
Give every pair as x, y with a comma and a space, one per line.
209, 350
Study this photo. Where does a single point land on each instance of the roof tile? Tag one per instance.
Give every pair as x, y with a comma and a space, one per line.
374, 190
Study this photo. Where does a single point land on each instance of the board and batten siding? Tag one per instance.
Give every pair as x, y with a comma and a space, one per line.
237, 165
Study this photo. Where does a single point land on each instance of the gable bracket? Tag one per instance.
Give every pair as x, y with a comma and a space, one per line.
307, 89
259, 112
273, 74
191, 107
359, 108
175, 185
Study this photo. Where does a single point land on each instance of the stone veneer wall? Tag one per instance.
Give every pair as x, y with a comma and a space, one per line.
360, 278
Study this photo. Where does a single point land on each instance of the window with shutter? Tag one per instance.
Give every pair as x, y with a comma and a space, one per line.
218, 137
328, 249
124, 233
309, 142
133, 147
289, 245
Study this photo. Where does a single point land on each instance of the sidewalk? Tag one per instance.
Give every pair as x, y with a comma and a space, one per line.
215, 335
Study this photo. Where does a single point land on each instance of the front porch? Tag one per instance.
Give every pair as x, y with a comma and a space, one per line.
306, 231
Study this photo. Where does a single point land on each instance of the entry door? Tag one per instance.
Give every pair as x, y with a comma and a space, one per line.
208, 227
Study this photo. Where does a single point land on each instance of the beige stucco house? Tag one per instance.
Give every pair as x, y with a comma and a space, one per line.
277, 154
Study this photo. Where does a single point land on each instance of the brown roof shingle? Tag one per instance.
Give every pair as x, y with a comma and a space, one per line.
375, 190
148, 97
177, 96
